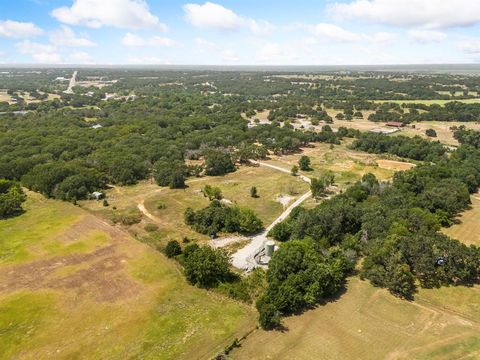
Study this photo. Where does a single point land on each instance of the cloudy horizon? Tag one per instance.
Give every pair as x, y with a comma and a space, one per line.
307, 32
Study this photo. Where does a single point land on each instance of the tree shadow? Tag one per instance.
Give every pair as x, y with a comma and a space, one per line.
14, 214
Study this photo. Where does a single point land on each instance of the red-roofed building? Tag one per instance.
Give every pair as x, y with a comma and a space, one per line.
395, 124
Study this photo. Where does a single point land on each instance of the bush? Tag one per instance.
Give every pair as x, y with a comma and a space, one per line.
218, 162
431, 133
207, 267
173, 249
127, 217
11, 198
253, 192
269, 316
294, 170
212, 192
304, 163
218, 217
151, 227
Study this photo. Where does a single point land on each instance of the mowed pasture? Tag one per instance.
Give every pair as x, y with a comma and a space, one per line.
466, 230
72, 286
347, 165
369, 323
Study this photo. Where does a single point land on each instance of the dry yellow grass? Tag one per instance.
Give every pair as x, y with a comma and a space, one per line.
112, 299
369, 323
5, 97
167, 206
347, 165
467, 230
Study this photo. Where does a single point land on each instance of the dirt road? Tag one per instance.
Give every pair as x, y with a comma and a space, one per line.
244, 258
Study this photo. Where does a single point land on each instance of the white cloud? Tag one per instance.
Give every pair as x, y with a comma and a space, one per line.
215, 16
426, 36
148, 60
226, 55
40, 53
15, 29
130, 14
133, 40
383, 38
203, 44
325, 32
81, 57
430, 14
66, 37
332, 32
470, 46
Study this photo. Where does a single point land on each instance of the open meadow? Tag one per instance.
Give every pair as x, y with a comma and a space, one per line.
73, 286
165, 207
348, 165
467, 228
369, 323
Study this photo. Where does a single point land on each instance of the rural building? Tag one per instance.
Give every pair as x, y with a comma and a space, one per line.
396, 124
97, 195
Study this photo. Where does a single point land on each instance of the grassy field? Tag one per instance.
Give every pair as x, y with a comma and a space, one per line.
442, 128
347, 165
467, 229
429, 102
74, 287
5, 97
369, 323
166, 207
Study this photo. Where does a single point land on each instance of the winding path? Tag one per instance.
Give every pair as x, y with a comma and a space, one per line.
72, 83
244, 258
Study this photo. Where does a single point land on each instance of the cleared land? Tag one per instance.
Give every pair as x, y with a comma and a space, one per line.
347, 165
72, 286
5, 97
369, 323
429, 102
469, 222
165, 207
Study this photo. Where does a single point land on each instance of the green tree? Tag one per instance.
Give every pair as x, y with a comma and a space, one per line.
11, 198
317, 187
294, 170
173, 249
206, 267
218, 163
304, 163
269, 316
212, 192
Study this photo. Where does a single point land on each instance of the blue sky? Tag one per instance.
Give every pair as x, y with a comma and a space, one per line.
301, 32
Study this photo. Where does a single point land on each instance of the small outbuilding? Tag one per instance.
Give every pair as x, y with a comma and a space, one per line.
396, 124
97, 195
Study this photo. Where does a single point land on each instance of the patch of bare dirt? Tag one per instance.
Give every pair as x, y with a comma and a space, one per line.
102, 273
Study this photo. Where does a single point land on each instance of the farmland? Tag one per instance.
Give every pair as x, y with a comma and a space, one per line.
115, 276
466, 229
64, 271
368, 323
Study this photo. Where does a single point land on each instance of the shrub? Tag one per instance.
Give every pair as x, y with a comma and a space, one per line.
173, 249
206, 267
151, 227
304, 163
